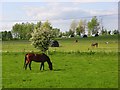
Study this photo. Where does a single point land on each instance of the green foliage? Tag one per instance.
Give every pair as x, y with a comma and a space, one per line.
6, 35
56, 32
104, 32
73, 27
22, 31
93, 26
116, 32
81, 28
0, 35
42, 36
9, 35
38, 25
71, 33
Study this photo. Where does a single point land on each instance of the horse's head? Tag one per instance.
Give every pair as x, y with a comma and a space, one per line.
50, 66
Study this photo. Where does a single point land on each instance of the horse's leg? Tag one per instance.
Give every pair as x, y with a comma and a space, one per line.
41, 66
97, 45
30, 65
26, 66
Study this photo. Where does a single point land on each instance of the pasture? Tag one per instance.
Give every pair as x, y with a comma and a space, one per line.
67, 45
75, 65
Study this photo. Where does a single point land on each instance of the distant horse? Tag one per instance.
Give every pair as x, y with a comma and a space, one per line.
29, 57
94, 44
76, 41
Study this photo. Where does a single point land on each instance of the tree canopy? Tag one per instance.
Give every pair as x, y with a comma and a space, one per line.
93, 26
22, 31
81, 27
6, 35
42, 36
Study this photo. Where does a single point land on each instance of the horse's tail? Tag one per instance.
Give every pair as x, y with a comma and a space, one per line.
25, 60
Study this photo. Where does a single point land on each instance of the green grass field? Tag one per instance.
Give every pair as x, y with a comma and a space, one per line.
67, 45
74, 65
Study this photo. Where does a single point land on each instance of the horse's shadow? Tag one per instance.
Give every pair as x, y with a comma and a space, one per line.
53, 70
58, 69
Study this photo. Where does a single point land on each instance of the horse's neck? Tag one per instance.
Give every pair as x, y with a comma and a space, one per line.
48, 61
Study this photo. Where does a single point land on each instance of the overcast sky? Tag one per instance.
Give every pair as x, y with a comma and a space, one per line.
59, 14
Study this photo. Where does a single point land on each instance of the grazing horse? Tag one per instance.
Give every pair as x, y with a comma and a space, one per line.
29, 57
76, 41
94, 44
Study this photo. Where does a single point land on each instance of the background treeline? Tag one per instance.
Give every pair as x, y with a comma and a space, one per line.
77, 28
23, 31
92, 27
6, 35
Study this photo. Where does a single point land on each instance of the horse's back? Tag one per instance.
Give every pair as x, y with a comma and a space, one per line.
42, 56
37, 57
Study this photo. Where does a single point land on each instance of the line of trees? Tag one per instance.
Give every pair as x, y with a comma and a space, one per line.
93, 27
6, 35
80, 28
24, 30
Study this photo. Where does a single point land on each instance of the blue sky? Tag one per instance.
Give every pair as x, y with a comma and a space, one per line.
60, 14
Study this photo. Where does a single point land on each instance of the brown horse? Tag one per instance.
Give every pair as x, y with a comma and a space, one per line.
29, 57
94, 44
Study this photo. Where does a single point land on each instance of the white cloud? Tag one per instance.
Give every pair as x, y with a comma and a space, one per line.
102, 12
53, 11
64, 11
42, 12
